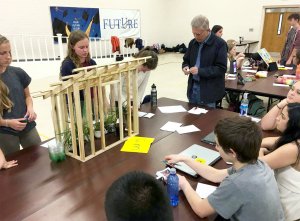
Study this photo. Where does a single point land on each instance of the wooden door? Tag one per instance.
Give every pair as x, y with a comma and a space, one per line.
274, 31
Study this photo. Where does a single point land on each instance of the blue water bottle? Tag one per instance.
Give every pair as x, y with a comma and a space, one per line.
244, 105
173, 187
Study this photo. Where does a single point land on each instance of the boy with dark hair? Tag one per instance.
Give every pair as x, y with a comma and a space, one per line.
248, 190
292, 42
137, 196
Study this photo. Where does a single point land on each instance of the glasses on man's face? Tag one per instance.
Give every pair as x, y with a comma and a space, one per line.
292, 88
198, 34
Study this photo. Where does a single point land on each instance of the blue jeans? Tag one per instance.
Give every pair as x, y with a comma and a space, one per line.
194, 98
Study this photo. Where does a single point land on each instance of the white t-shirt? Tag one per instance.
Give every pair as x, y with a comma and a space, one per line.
288, 181
143, 78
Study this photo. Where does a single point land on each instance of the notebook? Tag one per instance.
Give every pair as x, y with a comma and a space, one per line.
201, 154
209, 138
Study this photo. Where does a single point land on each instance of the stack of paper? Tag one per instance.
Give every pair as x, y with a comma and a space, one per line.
172, 109
204, 190
137, 144
249, 71
197, 110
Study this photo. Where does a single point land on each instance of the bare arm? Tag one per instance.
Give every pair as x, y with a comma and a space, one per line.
268, 122
207, 172
269, 142
200, 206
6, 164
283, 156
28, 99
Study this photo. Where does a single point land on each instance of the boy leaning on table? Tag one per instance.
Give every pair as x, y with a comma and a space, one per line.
248, 189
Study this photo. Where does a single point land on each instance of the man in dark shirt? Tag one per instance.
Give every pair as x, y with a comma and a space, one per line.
287, 51
205, 62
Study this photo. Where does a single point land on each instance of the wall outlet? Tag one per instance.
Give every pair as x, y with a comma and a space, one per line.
251, 29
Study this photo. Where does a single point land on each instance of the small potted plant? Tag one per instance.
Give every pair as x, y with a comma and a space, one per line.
97, 129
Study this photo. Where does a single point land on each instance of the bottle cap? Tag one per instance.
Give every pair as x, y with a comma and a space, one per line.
172, 171
153, 86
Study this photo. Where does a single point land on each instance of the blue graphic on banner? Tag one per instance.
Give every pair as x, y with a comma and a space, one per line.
67, 19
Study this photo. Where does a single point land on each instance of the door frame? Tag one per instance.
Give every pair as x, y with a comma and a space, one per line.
263, 16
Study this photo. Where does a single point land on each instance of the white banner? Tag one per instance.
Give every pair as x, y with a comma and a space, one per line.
120, 23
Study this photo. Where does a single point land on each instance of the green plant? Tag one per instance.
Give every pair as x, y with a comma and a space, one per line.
97, 126
67, 135
110, 118
110, 121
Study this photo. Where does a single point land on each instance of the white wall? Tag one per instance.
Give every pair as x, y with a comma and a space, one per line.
236, 16
162, 21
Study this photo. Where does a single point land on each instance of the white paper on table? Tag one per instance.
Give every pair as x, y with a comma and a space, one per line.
250, 71
197, 110
172, 109
142, 114
288, 76
231, 75
281, 85
204, 190
171, 126
187, 129
230, 78
289, 68
255, 119
246, 67
149, 115
52, 141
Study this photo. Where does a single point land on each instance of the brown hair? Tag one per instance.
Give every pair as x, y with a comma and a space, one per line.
150, 63
5, 102
240, 134
75, 37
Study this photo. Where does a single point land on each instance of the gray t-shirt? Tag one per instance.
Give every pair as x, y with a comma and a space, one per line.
250, 193
16, 79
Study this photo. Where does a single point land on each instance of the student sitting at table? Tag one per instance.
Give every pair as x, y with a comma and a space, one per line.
284, 158
232, 56
268, 122
137, 196
248, 189
6, 164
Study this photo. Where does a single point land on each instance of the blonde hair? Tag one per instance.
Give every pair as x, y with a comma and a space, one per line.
230, 45
5, 102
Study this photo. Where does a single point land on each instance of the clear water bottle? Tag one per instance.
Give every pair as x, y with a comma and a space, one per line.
153, 96
244, 105
173, 187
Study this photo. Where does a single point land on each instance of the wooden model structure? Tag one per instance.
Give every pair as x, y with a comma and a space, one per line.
91, 82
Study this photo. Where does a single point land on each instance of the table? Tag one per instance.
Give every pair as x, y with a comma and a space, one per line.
247, 43
262, 86
38, 189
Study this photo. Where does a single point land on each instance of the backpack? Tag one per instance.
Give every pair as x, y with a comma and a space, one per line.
256, 106
233, 100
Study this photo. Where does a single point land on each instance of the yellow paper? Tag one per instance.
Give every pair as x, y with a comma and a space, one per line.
137, 144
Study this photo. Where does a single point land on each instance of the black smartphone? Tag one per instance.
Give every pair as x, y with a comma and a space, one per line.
24, 121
